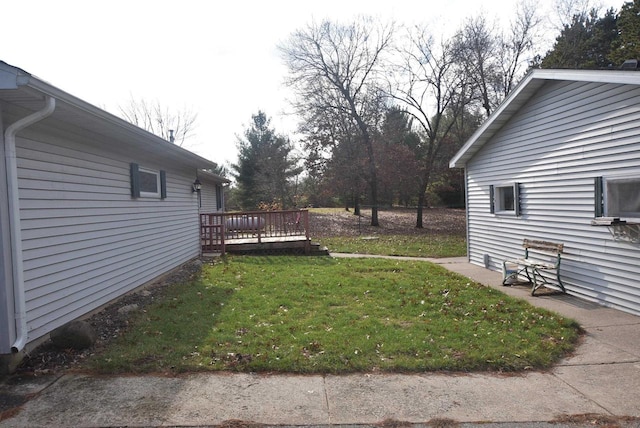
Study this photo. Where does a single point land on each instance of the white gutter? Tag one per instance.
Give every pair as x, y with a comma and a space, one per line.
14, 217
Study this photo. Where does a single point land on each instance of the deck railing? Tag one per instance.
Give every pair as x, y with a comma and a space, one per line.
217, 229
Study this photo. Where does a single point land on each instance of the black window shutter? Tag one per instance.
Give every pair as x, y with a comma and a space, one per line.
163, 185
218, 196
516, 198
135, 180
599, 199
492, 203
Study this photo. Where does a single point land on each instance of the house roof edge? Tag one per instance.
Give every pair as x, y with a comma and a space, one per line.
147, 139
525, 90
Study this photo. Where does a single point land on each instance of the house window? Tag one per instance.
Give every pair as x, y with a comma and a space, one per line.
147, 183
505, 199
619, 197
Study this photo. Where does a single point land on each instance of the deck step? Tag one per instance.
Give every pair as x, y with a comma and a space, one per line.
317, 250
286, 247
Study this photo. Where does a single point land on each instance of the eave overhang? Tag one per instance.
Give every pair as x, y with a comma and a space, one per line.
529, 85
22, 91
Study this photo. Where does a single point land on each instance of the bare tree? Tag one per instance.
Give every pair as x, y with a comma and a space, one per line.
335, 143
173, 126
335, 68
495, 60
517, 45
477, 48
566, 10
430, 86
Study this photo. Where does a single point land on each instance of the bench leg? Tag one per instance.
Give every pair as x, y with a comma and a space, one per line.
510, 274
541, 281
535, 285
560, 281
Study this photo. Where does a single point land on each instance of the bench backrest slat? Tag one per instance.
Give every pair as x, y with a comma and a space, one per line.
551, 247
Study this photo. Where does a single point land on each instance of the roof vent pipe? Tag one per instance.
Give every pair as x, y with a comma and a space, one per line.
14, 217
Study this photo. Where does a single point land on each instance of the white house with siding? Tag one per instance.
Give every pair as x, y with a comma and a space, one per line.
212, 193
91, 207
558, 161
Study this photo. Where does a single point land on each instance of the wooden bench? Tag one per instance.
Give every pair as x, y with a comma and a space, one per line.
539, 256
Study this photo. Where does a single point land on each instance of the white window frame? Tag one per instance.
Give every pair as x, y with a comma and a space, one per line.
611, 206
498, 199
500, 193
145, 194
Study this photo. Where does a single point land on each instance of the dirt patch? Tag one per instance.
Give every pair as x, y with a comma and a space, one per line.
397, 221
109, 323
597, 420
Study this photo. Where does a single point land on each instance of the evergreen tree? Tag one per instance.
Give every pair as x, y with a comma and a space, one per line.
627, 46
586, 43
265, 166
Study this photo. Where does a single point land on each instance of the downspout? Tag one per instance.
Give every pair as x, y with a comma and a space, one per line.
466, 210
20, 311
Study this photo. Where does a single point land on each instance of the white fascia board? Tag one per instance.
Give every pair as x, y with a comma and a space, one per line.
627, 77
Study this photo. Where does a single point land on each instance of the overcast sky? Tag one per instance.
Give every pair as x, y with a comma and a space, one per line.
218, 59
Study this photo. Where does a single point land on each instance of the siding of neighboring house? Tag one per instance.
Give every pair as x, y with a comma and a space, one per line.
567, 134
209, 196
85, 239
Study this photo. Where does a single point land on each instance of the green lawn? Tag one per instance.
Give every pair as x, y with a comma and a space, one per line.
324, 315
399, 245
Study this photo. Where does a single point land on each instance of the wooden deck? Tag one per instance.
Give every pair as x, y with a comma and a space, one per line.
256, 232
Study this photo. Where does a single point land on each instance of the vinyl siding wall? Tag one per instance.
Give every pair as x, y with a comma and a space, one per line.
208, 195
85, 240
565, 136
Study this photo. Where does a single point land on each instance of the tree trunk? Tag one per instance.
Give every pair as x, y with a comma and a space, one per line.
374, 207
373, 175
421, 199
356, 206
422, 195
373, 182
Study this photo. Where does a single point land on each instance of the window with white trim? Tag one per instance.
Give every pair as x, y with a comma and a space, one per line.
147, 183
618, 197
505, 199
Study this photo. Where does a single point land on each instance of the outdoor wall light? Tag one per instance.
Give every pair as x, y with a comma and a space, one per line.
196, 186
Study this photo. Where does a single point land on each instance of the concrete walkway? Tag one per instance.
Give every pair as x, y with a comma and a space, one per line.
600, 383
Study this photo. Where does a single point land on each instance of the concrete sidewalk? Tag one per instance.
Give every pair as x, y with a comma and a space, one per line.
602, 381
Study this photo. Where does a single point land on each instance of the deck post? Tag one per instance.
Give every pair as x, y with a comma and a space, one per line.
257, 221
222, 232
307, 242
